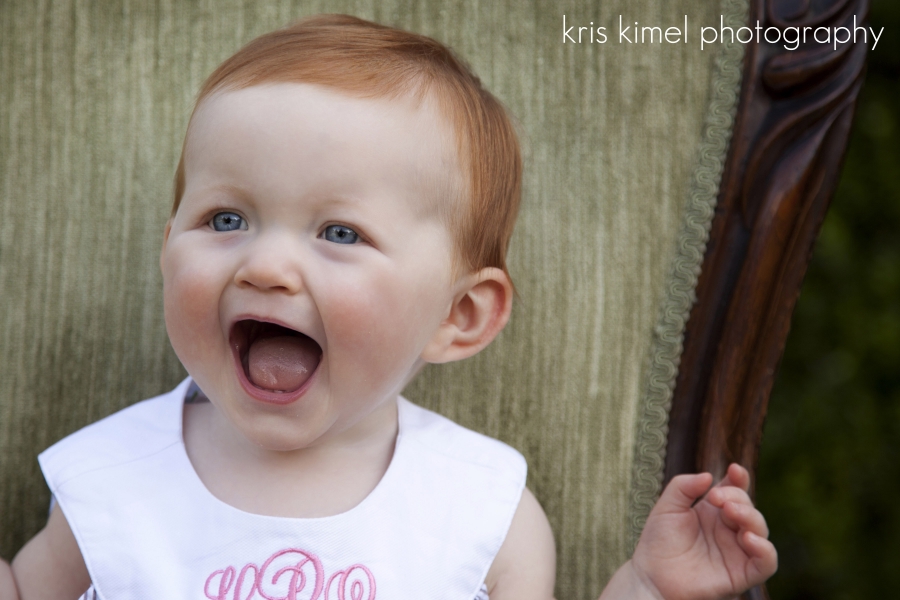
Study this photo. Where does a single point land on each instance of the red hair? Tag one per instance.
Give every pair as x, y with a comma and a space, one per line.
369, 60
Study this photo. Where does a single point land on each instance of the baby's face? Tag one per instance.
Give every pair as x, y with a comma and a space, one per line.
307, 266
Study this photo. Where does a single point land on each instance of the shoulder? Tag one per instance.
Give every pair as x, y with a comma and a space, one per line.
437, 434
525, 566
139, 430
53, 550
487, 478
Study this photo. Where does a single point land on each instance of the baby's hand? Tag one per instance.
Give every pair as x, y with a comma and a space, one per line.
716, 547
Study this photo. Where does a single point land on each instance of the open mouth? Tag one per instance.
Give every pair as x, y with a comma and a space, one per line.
274, 359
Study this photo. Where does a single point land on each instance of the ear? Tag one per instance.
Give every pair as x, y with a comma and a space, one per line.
162, 252
480, 310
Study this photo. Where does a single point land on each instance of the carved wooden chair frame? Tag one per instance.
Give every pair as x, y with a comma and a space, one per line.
789, 140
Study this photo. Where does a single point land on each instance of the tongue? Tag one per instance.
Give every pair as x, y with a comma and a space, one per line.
282, 363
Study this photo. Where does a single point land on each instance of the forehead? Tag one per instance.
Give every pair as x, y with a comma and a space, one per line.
294, 127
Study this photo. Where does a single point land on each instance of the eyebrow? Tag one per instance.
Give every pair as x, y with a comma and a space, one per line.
229, 189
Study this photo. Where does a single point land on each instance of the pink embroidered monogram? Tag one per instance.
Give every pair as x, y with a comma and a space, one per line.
293, 570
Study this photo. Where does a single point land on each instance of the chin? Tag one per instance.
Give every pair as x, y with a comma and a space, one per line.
279, 433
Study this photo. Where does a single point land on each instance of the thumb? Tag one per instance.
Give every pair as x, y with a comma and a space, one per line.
683, 491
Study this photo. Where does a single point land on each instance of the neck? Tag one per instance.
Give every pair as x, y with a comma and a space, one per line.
325, 478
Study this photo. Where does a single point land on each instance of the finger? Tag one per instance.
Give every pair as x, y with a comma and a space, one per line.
763, 557
737, 516
718, 496
682, 491
736, 476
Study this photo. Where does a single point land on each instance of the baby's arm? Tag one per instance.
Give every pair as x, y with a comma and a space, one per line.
7, 583
694, 550
716, 548
49, 567
525, 566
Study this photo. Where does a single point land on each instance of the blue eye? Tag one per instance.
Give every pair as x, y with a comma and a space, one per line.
339, 234
227, 221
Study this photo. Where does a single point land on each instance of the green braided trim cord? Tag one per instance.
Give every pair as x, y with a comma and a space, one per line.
652, 424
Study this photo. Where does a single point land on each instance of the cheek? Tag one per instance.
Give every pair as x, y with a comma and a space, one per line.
385, 323
191, 304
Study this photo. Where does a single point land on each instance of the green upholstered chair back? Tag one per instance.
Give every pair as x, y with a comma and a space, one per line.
623, 143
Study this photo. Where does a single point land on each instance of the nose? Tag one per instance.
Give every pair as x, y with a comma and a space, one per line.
271, 263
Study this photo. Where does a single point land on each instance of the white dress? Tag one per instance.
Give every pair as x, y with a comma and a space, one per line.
148, 528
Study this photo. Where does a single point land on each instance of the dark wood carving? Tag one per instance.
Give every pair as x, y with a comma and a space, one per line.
792, 129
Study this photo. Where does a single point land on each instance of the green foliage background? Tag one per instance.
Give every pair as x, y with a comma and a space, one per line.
829, 473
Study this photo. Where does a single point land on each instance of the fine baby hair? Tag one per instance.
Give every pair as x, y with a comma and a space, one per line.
343, 206
368, 60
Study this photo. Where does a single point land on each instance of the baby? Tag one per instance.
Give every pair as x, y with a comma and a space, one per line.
343, 206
